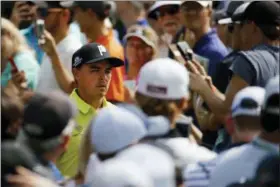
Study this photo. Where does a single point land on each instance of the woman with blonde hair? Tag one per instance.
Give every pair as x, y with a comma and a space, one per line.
15, 49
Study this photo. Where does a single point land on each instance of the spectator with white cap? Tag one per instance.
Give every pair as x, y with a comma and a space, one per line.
92, 69
243, 125
166, 13
163, 90
244, 160
112, 130
156, 163
120, 173
197, 17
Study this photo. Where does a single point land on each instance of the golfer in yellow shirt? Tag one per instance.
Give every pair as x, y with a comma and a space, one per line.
91, 67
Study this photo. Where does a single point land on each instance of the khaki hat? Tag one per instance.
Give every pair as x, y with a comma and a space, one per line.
145, 33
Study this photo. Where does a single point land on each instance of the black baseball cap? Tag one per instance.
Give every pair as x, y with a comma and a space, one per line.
101, 8
46, 117
14, 154
224, 14
270, 14
238, 14
94, 53
48, 4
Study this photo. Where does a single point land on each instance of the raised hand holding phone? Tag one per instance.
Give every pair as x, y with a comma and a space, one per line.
47, 43
18, 77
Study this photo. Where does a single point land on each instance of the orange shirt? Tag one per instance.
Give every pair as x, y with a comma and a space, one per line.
116, 88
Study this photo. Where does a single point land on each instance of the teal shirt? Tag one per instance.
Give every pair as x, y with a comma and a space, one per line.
26, 62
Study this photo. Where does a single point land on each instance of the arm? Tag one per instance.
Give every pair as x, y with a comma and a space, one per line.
63, 77
219, 104
243, 74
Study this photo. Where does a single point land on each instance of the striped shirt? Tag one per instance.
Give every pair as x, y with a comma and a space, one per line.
198, 174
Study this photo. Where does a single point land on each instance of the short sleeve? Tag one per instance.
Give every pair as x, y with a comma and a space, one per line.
26, 61
244, 69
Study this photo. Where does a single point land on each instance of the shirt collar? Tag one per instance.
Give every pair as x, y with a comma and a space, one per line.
263, 144
204, 38
82, 105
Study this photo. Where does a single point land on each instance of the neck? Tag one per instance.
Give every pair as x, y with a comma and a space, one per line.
60, 34
94, 102
133, 71
199, 33
271, 42
245, 136
270, 137
98, 30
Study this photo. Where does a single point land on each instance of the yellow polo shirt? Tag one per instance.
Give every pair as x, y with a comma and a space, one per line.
68, 162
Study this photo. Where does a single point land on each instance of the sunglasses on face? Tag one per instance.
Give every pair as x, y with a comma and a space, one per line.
44, 12
169, 10
231, 26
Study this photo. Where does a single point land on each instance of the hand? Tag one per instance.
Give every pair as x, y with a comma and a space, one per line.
27, 178
19, 80
47, 42
21, 11
198, 76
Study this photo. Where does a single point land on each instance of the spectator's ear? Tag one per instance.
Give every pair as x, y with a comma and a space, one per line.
184, 104
66, 14
209, 12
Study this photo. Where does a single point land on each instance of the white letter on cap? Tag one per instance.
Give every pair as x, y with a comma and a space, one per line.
101, 49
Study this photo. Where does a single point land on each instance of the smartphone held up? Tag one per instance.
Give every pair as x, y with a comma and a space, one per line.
39, 29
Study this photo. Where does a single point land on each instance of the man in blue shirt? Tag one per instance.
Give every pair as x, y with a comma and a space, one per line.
197, 17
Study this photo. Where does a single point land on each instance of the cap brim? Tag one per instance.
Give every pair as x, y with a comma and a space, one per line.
146, 40
68, 4
157, 5
115, 62
225, 21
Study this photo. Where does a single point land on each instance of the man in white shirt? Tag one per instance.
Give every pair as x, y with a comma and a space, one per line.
240, 163
57, 20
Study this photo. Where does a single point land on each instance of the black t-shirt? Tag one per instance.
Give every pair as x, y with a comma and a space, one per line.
258, 65
223, 74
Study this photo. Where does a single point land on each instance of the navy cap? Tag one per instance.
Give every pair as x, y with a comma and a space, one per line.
238, 15
94, 53
251, 11
47, 115
228, 12
270, 14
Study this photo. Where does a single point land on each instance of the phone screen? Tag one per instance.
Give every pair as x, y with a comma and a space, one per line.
40, 27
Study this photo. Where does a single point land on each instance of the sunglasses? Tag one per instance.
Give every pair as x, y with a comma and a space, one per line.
44, 12
169, 10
